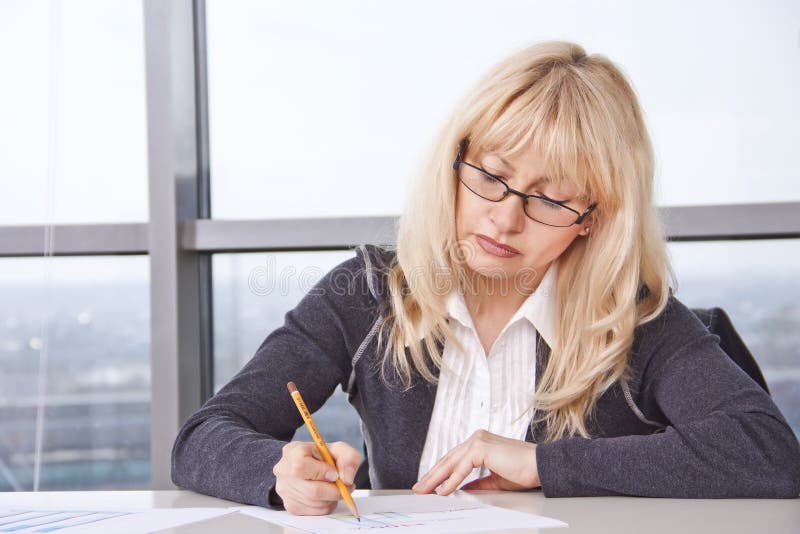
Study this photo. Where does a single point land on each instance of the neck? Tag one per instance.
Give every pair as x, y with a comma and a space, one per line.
501, 296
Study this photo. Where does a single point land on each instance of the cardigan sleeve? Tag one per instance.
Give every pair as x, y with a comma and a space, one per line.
725, 437
229, 447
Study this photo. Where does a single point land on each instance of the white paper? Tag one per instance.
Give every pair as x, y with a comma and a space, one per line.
418, 513
78, 521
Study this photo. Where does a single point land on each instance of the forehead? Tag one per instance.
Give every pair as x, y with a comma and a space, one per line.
520, 161
528, 162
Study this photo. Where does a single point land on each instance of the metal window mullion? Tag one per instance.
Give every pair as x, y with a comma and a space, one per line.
179, 279
769, 220
205, 264
681, 223
207, 236
75, 239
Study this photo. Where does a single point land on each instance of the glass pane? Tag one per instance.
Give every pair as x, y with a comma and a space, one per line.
75, 380
252, 293
72, 103
756, 283
344, 97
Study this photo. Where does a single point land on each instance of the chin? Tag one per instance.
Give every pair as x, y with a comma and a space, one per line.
490, 267
503, 270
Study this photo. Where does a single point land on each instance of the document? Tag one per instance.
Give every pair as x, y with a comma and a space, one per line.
432, 514
77, 521
402, 513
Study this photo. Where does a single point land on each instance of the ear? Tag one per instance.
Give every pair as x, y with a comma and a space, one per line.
587, 225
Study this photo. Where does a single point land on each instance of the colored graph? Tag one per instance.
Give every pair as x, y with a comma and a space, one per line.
378, 520
43, 521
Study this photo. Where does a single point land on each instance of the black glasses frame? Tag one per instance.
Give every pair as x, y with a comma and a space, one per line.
460, 161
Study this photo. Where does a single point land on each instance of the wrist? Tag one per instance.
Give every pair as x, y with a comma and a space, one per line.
533, 479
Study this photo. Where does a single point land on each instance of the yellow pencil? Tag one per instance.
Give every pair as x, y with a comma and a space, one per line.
323, 449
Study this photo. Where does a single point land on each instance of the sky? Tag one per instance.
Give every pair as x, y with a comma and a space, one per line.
345, 97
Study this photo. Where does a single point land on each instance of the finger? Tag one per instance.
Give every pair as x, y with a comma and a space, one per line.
314, 494
438, 473
347, 460
303, 461
305, 469
297, 502
298, 508
296, 450
309, 492
446, 466
461, 471
455, 466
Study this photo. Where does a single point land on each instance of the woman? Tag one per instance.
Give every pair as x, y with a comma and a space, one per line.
522, 334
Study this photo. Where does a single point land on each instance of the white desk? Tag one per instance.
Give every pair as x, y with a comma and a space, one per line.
597, 515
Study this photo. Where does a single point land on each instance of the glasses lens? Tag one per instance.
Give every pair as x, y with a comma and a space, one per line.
538, 209
482, 184
548, 212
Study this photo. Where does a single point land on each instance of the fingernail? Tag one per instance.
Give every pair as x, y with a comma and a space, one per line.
349, 476
331, 476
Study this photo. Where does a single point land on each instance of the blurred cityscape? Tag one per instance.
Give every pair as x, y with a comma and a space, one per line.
95, 422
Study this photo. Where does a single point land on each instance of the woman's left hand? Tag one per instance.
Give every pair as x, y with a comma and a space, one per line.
512, 464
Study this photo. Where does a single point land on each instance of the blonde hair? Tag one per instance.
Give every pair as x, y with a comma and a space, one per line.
582, 115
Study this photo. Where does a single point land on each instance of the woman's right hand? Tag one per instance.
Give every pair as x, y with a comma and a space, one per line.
305, 481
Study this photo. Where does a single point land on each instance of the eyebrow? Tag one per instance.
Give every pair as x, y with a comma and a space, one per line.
507, 165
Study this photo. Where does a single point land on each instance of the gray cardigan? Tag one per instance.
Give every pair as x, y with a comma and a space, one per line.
689, 423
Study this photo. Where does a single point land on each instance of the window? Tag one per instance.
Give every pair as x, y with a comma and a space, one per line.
72, 104
252, 292
756, 283
326, 94
75, 354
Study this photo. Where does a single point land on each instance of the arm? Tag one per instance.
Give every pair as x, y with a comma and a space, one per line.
230, 446
726, 437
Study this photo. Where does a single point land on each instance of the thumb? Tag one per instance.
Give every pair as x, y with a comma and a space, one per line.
347, 460
314, 466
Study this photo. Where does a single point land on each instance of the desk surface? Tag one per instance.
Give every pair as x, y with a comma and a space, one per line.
598, 515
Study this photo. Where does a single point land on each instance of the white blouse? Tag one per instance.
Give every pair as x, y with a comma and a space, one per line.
491, 392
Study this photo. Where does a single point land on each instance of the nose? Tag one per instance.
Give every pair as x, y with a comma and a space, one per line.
508, 214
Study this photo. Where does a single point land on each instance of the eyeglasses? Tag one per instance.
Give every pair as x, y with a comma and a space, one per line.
494, 189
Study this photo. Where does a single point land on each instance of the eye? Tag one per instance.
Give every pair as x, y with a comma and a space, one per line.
494, 172
490, 177
548, 204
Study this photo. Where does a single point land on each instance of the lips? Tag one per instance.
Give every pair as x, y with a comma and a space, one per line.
493, 247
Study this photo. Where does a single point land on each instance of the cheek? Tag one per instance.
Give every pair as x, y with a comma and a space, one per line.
465, 214
548, 244
458, 216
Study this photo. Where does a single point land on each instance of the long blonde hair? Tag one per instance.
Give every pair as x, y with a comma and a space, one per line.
580, 112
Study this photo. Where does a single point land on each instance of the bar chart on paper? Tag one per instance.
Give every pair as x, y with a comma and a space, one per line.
379, 520
50, 520
41, 521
